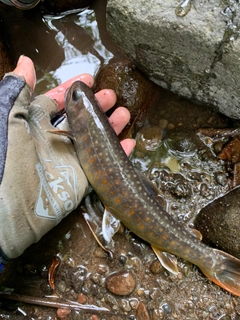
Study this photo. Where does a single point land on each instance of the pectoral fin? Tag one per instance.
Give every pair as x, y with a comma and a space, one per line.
110, 225
151, 189
62, 133
167, 260
194, 232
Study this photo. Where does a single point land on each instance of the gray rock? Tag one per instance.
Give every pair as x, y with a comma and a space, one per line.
195, 55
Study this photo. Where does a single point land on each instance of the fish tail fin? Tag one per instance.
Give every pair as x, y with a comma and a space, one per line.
225, 272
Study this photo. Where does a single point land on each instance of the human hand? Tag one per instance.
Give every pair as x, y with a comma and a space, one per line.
41, 179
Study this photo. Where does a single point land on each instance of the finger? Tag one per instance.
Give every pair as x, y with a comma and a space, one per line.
58, 93
128, 145
106, 98
119, 119
25, 68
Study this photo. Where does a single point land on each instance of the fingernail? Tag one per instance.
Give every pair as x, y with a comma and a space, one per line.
20, 59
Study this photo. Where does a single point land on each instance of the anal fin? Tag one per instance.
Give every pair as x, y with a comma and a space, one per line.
167, 260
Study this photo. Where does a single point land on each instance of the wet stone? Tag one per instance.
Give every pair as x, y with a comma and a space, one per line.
122, 259
134, 263
133, 303
231, 151
61, 286
142, 312
148, 139
87, 287
219, 223
156, 267
204, 190
182, 143
81, 298
155, 294
121, 283
194, 175
63, 313
94, 290
125, 305
182, 190
133, 89
217, 147
109, 298
221, 178
103, 269
96, 278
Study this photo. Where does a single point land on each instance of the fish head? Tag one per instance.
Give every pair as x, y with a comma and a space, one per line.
78, 102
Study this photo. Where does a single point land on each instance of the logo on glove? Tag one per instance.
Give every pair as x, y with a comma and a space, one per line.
57, 191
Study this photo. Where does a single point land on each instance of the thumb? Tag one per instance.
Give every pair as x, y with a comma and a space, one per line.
25, 68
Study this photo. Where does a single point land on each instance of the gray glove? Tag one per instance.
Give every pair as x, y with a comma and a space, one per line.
41, 180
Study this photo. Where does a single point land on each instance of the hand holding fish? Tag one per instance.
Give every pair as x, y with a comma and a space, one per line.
41, 180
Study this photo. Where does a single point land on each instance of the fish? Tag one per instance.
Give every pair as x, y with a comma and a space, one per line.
132, 198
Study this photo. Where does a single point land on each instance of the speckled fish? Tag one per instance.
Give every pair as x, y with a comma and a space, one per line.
131, 198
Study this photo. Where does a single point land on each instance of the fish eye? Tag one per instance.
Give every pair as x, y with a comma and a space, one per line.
76, 94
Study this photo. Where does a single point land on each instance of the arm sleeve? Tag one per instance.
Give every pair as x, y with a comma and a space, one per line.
10, 87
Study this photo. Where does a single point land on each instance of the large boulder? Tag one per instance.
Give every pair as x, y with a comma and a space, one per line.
193, 50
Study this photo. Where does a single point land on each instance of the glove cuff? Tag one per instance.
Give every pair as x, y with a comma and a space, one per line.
10, 88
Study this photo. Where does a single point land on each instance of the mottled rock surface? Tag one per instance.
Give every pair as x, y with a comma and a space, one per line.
219, 223
195, 55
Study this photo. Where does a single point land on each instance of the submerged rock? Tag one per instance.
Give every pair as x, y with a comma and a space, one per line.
219, 223
191, 49
121, 283
133, 89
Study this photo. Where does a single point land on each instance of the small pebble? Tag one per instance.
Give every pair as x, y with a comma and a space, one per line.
148, 139
204, 190
125, 305
63, 313
102, 269
142, 313
82, 298
156, 267
121, 283
217, 147
134, 303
